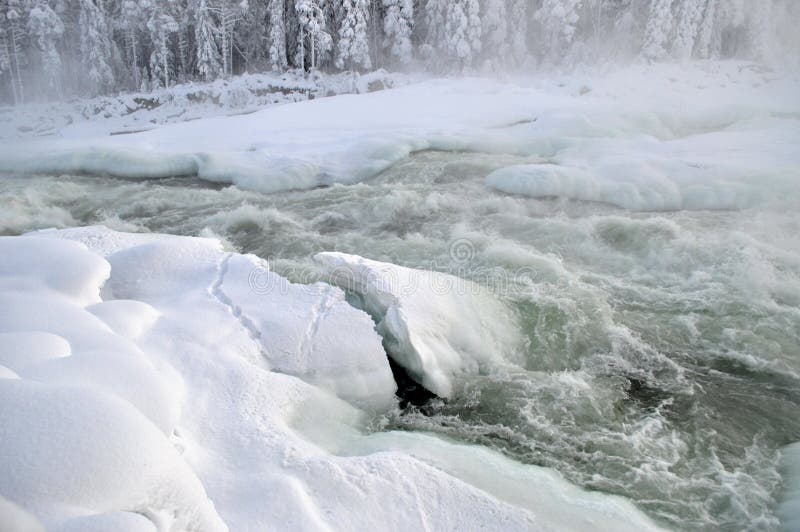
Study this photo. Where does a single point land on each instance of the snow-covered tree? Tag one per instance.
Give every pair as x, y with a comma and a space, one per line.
558, 20
277, 35
495, 33
209, 66
398, 22
131, 22
690, 15
95, 43
312, 37
353, 45
659, 29
45, 28
160, 24
17, 35
435, 18
518, 27
462, 32
705, 42
95, 46
760, 30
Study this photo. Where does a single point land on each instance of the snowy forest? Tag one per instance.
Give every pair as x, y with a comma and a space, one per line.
53, 49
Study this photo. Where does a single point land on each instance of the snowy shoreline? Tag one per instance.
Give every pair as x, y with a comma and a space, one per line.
128, 327
678, 144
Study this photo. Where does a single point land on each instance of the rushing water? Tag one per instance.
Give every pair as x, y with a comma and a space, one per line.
662, 357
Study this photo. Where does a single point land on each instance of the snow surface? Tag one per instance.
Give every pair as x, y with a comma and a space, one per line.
716, 135
148, 404
438, 326
139, 111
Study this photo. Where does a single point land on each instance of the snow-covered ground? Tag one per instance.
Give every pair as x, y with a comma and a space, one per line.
155, 382
131, 112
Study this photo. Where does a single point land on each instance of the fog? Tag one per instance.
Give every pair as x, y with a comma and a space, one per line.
62, 49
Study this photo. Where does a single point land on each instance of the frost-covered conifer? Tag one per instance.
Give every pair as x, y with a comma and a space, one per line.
659, 30
160, 24
558, 20
690, 15
208, 58
95, 44
397, 26
353, 45
45, 28
277, 35
495, 33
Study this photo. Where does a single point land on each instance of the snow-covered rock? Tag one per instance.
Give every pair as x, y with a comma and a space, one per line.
438, 326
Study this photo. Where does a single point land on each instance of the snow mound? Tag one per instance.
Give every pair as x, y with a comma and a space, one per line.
77, 276
437, 326
307, 331
93, 452
715, 170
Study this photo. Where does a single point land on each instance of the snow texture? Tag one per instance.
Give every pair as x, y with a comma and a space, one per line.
141, 399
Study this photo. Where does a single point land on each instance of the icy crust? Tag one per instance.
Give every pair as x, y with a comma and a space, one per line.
716, 170
697, 136
788, 510
438, 327
81, 450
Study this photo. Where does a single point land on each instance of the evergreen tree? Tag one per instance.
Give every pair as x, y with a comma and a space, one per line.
160, 24
209, 66
15, 17
95, 44
518, 24
690, 16
277, 35
495, 33
46, 29
131, 23
559, 22
353, 45
658, 31
398, 22
462, 32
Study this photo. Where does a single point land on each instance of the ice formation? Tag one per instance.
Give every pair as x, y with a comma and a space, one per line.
144, 386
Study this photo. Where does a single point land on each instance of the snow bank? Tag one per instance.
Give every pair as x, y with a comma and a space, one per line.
437, 326
271, 450
717, 170
137, 111
643, 137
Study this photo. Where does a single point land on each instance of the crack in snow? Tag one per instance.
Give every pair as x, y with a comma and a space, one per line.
318, 313
219, 294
